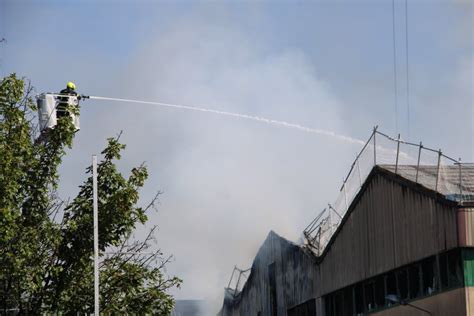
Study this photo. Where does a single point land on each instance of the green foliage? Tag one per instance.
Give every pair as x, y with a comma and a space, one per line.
46, 245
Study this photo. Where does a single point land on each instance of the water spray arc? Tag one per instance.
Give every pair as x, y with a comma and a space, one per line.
48, 102
241, 116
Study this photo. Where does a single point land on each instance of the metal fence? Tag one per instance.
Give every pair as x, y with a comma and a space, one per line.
237, 281
426, 166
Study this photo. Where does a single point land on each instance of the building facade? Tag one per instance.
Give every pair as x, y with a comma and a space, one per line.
398, 240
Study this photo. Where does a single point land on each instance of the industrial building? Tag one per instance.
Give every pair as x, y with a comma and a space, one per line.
403, 245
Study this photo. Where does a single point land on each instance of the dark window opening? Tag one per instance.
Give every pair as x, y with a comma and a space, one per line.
414, 280
359, 298
391, 285
331, 304
369, 292
402, 281
429, 277
455, 277
379, 291
328, 304
338, 306
443, 270
422, 278
348, 302
307, 308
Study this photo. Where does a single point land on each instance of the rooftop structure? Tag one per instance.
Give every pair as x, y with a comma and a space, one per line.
399, 231
425, 166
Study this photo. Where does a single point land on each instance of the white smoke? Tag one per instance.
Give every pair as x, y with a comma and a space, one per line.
228, 182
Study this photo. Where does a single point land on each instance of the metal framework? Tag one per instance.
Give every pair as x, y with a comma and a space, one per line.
394, 154
238, 278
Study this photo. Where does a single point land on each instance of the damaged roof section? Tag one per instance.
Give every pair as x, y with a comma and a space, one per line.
278, 261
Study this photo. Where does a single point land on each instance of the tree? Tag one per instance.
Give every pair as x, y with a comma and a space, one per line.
46, 244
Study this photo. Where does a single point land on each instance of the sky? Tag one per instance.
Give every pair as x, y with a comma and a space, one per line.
227, 182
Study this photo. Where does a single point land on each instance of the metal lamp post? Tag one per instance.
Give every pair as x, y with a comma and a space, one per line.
96, 236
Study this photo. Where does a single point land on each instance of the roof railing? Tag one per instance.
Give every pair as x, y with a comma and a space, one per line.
416, 162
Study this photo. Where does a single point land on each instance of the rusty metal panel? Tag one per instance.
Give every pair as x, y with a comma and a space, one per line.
465, 221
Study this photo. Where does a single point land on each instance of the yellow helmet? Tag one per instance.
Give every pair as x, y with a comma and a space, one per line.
71, 85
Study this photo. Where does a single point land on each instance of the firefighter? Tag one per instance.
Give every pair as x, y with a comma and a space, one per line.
70, 90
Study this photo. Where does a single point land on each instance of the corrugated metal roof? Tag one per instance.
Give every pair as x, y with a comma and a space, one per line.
454, 182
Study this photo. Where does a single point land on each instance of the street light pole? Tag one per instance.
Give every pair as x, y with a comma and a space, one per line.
96, 236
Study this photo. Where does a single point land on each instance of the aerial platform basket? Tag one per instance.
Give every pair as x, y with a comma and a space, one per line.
48, 110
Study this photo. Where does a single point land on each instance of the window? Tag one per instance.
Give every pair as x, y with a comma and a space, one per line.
455, 277
428, 276
380, 291
391, 281
402, 281
443, 270
414, 280
307, 308
329, 302
348, 301
338, 304
359, 298
422, 278
369, 293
